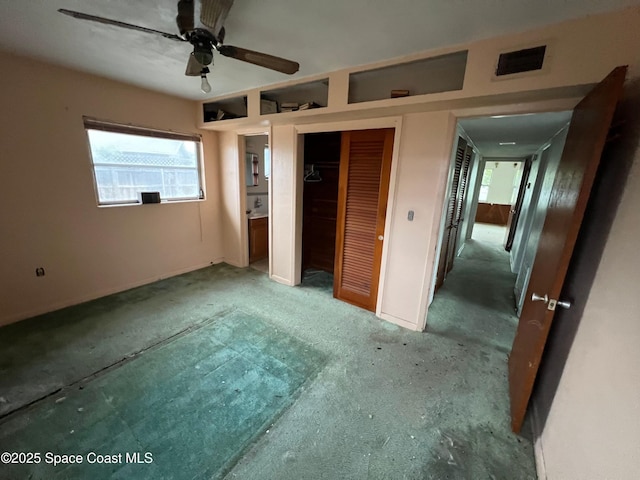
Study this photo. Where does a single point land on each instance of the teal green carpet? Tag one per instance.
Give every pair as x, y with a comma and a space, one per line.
194, 404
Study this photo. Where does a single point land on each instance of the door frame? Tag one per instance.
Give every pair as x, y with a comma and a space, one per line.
341, 126
541, 106
242, 191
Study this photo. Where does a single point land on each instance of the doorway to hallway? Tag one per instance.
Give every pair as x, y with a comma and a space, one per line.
476, 303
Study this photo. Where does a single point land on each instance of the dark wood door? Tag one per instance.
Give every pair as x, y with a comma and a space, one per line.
451, 213
572, 185
516, 208
365, 167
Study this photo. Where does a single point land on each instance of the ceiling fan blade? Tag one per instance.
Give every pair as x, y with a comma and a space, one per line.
213, 13
262, 59
116, 23
194, 68
185, 16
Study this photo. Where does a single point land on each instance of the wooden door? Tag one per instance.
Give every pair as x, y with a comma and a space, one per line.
451, 212
365, 167
516, 208
573, 181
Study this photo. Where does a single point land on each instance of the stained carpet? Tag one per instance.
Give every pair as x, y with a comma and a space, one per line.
195, 403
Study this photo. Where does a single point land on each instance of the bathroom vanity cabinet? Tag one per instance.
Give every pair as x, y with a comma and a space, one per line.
258, 238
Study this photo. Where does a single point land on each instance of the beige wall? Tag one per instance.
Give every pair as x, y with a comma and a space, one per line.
48, 212
285, 216
591, 432
233, 201
420, 180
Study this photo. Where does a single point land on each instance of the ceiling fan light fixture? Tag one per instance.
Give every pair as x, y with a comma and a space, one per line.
203, 54
205, 86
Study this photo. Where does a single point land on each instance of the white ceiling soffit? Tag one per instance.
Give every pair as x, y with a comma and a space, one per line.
529, 132
322, 36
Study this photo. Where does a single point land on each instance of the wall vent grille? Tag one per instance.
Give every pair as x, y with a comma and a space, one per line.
520, 61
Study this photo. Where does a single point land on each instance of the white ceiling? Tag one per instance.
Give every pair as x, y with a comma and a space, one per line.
322, 35
529, 132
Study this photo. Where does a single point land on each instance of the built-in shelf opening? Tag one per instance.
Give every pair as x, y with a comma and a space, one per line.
302, 96
444, 73
226, 109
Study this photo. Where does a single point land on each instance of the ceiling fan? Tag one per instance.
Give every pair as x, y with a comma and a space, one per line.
205, 40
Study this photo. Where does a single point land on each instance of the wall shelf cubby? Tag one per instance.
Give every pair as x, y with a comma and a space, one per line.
429, 75
302, 96
226, 109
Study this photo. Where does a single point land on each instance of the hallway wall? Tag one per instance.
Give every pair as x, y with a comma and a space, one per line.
532, 219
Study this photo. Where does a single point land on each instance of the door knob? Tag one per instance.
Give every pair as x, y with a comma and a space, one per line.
551, 303
538, 298
380, 237
557, 303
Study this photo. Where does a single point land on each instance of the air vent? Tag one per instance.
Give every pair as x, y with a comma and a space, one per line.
520, 61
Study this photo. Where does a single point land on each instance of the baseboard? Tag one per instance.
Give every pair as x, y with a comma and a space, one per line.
281, 280
398, 321
234, 263
538, 451
102, 293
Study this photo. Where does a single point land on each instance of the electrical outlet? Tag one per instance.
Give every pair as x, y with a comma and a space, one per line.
39, 272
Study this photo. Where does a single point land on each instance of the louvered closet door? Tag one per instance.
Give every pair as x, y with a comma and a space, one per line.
454, 233
451, 212
365, 166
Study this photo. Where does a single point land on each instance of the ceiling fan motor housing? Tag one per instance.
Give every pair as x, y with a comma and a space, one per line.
203, 51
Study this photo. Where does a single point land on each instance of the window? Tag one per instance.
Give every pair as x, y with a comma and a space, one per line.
130, 160
267, 162
486, 182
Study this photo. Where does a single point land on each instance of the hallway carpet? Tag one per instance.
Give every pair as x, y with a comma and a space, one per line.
371, 401
477, 302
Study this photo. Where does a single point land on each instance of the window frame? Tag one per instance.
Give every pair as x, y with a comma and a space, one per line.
90, 123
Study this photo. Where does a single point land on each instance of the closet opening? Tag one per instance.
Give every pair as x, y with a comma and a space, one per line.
320, 208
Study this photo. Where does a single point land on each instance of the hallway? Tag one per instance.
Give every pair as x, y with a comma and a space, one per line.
476, 303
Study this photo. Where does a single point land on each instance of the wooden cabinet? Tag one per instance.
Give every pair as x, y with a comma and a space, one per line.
493, 213
258, 238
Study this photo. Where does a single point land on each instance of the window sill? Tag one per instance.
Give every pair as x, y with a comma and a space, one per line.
138, 204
